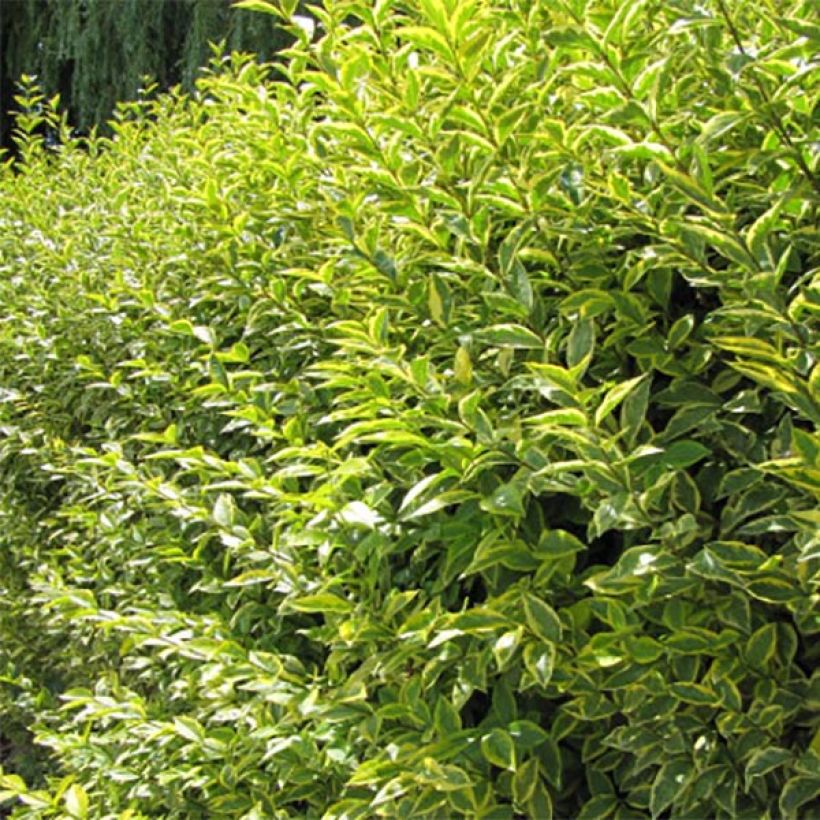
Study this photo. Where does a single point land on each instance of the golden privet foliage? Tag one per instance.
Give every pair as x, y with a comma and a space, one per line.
430, 433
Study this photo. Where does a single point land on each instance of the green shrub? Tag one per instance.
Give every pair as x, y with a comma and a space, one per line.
430, 433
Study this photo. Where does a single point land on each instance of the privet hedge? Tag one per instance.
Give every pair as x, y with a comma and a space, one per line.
430, 433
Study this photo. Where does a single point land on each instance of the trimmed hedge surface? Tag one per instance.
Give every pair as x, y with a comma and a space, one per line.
432, 432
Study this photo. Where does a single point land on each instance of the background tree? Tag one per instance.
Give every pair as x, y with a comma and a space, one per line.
95, 52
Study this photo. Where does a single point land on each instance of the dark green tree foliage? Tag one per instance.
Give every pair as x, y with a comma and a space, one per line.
97, 52
430, 434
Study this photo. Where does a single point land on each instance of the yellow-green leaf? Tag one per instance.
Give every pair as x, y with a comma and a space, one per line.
498, 748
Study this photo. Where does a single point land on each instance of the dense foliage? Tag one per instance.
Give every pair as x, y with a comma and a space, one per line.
431, 434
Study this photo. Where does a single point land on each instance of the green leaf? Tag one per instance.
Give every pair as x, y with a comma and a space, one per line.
587, 303
797, 792
450, 778
669, 785
258, 5
509, 335
772, 590
446, 718
224, 511
525, 781
182, 326
619, 25
527, 735
683, 454
761, 645
807, 446
539, 803
719, 124
581, 342
766, 760
475, 418
554, 375
439, 301
506, 646
385, 264
76, 801
680, 331
252, 577
436, 12
725, 244
552, 762
507, 499
690, 642
614, 396
634, 408
769, 377
696, 193
542, 619
605, 133
686, 419
478, 620
758, 234
463, 367
359, 514
644, 151
321, 602
14, 784
539, 660
751, 348
516, 556
729, 694
498, 748
440, 502
420, 488
553, 544
599, 806
519, 285
695, 693
427, 38
189, 729
645, 649
737, 554
563, 417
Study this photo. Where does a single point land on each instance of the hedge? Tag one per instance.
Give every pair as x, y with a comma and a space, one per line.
431, 432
